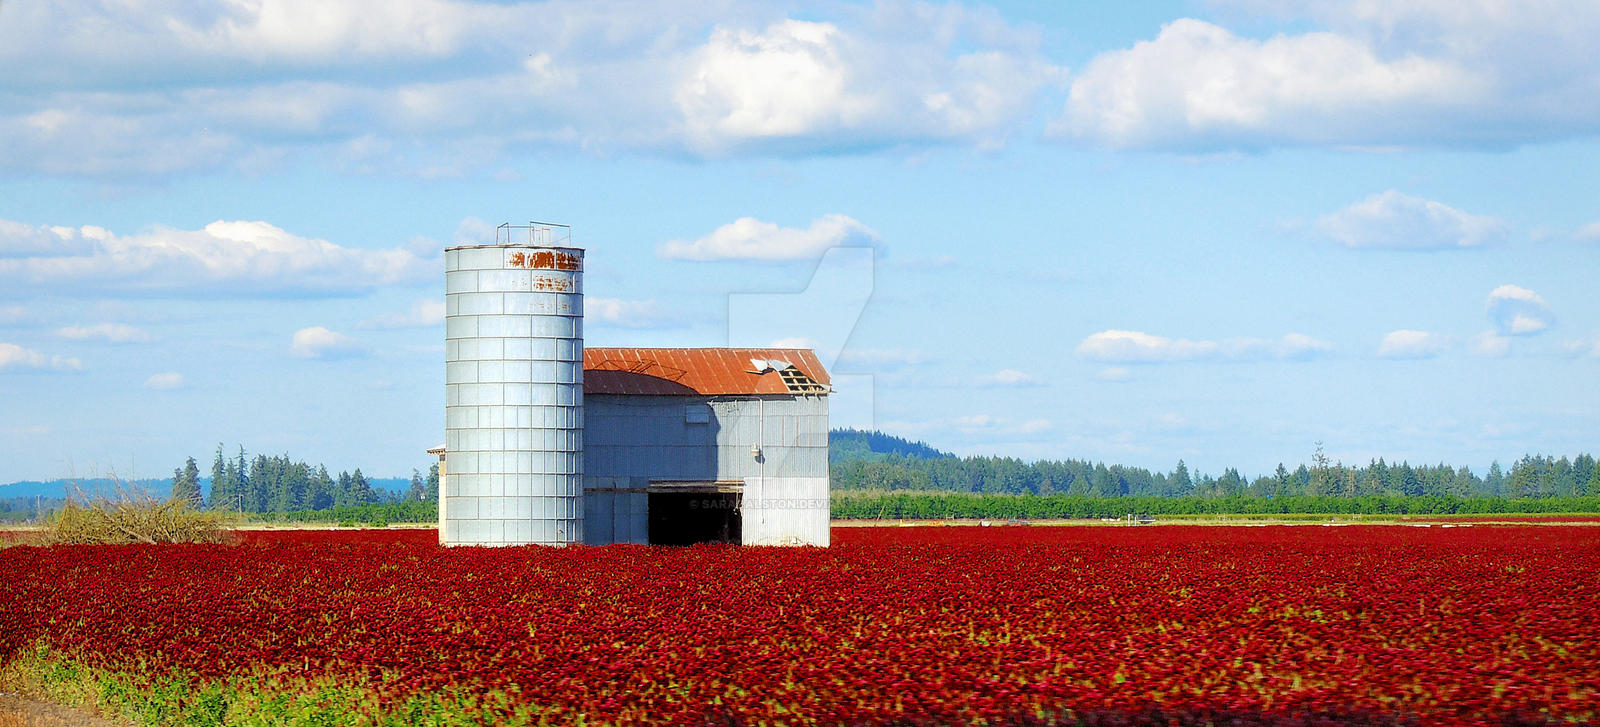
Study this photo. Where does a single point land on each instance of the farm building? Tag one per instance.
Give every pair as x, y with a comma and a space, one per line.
685, 445
549, 443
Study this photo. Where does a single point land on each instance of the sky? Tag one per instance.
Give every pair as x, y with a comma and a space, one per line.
1221, 232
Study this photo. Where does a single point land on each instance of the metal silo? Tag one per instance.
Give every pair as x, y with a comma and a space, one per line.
514, 390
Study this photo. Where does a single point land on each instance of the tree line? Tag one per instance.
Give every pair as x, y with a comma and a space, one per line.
1530, 477
278, 484
932, 505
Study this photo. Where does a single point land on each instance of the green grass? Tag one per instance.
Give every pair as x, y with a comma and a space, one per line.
262, 700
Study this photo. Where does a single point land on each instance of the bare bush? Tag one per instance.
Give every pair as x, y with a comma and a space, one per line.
130, 516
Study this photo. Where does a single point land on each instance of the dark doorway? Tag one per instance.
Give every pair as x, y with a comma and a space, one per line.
686, 518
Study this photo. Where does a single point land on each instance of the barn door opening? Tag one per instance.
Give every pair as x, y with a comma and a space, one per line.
689, 513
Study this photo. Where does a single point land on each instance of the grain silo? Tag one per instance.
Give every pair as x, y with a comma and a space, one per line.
514, 390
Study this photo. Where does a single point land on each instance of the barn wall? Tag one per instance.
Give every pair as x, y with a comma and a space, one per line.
630, 441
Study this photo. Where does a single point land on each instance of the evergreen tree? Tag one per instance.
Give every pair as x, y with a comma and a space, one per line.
418, 490
1181, 484
1495, 481
241, 484
342, 490
186, 482
433, 483
322, 489
220, 496
360, 490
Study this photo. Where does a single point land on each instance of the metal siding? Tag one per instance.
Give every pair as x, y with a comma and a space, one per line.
647, 440
514, 473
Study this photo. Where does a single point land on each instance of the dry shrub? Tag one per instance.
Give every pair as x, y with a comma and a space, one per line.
135, 517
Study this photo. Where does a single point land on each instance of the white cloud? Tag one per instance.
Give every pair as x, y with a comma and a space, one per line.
375, 88
1489, 344
1199, 85
1381, 75
795, 342
817, 81
17, 358
880, 359
1406, 343
748, 238
986, 424
627, 313
1136, 346
10, 314
113, 332
1008, 378
1518, 311
424, 313
1589, 347
318, 342
1589, 232
1033, 426
787, 81
1398, 221
1117, 346
223, 258
1114, 374
974, 421
165, 381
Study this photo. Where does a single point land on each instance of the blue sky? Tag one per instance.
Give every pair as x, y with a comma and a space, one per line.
1219, 232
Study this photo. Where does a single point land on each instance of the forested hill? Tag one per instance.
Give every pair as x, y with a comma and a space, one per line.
849, 445
859, 465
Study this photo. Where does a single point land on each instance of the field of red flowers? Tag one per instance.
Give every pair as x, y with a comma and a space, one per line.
1117, 625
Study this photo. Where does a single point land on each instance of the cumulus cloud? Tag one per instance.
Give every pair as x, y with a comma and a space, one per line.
11, 314
1581, 347
227, 258
795, 342
112, 332
815, 80
17, 358
1398, 221
627, 313
1199, 85
1117, 346
115, 89
880, 359
1115, 374
1376, 75
1489, 344
1589, 232
1517, 311
165, 381
1008, 378
424, 313
318, 342
748, 238
1406, 343
977, 423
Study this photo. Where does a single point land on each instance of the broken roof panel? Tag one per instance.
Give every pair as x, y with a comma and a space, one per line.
696, 371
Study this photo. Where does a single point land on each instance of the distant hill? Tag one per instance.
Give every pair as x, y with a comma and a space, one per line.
160, 487
852, 445
94, 486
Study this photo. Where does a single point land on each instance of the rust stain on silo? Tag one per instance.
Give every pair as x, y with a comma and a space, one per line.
546, 260
555, 285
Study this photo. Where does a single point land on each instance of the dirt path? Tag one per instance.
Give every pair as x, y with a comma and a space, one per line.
19, 711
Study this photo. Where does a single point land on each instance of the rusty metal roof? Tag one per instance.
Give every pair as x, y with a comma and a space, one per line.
694, 371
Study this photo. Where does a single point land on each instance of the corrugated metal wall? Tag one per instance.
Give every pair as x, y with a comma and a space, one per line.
513, 396
631, 441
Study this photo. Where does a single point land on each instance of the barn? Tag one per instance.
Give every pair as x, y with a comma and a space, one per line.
689, 445
548, 442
